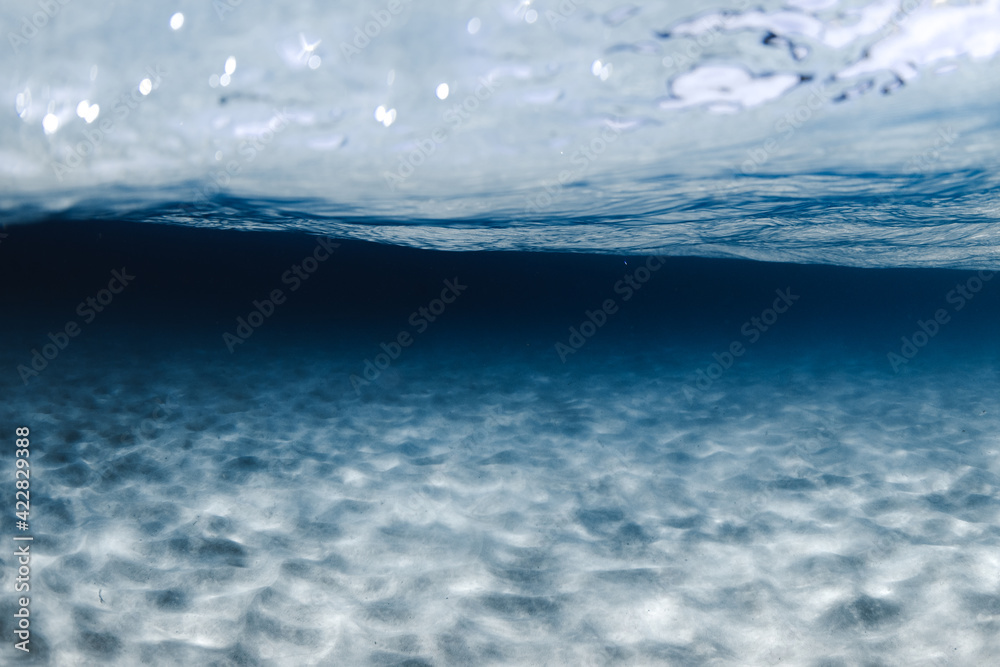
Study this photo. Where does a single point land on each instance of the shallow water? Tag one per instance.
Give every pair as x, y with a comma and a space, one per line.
489, 497
665, 335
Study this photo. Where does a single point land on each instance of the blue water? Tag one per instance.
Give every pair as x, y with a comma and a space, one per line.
539, 334
817, 132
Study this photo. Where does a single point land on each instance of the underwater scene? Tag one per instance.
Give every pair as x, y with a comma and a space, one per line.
530, 332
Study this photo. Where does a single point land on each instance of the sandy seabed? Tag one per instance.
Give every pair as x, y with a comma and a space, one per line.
192, 507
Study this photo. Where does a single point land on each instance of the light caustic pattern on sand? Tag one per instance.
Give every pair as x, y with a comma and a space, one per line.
463, 512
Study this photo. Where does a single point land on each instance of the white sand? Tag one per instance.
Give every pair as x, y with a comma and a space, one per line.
471, 510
